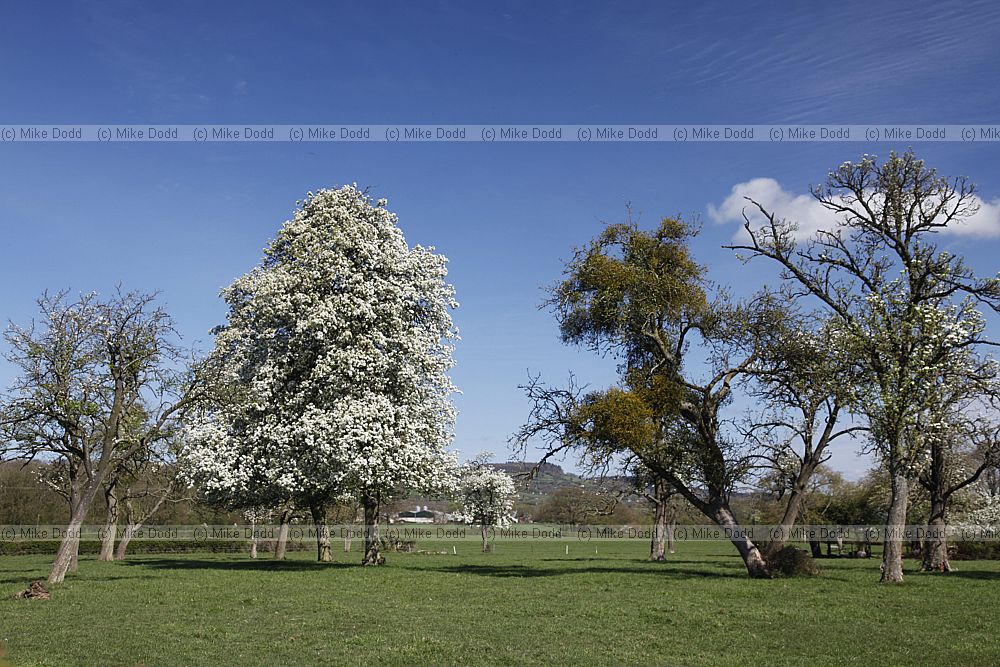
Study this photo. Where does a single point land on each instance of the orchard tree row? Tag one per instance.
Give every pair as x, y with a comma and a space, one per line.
873, 336
329, 383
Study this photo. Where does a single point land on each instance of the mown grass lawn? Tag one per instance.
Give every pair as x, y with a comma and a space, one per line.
529, 603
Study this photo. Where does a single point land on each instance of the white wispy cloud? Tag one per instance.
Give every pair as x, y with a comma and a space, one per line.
811, 215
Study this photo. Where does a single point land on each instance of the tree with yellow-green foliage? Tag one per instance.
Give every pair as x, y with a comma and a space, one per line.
641, 297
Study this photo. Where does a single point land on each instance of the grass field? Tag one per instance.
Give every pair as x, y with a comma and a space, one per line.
529, 603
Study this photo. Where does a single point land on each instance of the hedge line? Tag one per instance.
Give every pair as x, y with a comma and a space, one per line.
975, 551
147, 547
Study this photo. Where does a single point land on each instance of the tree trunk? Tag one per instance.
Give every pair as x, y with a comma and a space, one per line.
110, 525
670, 534
371, 555
282, 545
74, 500
74, 562
657, 544
130, 530
752, 557
253, 535
717, 509
324, 553
486, 534
892, 554
935, 556
791, 513
935, 546
66, 555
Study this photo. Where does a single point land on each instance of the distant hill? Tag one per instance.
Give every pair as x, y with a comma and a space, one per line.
534, 492
549, 479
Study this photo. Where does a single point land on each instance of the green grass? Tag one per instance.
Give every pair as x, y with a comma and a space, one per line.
528, 603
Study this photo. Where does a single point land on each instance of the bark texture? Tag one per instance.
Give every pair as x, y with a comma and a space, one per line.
892, 555
324, 552
66, 555
752, 557
372, 556
110, 525
935, 552
658, 543
282, 544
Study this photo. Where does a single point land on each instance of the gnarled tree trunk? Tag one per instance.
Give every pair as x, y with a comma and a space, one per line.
110, 525
74, 562
371, 555
74, 500
935, 556
716, 508
134, 524
253, 536
324, 553
127, 534
792, 509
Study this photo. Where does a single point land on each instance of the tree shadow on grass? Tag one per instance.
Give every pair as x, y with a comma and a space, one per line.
527, 571
649, 563
73, 578
236, 565
978, 575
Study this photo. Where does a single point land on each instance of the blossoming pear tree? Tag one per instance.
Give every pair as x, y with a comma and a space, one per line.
487, 496
337, 350
956, 439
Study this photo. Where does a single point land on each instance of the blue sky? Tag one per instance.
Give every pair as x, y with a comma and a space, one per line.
188, 218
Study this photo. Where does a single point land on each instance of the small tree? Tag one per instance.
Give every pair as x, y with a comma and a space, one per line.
487, 496
142, 496
664, 500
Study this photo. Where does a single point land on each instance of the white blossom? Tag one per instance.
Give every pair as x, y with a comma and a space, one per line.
336, 352
487, 494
